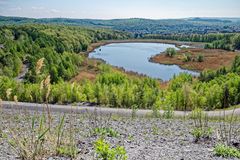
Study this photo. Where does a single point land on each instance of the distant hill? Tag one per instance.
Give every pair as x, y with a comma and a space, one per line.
140, 26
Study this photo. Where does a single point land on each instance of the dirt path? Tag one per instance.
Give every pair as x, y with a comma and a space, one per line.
103, 111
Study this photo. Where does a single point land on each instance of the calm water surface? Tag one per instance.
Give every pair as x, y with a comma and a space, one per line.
135, 57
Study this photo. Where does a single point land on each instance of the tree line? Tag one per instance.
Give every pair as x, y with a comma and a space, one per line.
227, 41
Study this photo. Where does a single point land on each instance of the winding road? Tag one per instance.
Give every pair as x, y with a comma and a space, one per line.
102, 110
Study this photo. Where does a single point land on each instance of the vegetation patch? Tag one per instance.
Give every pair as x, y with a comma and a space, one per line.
105, 132
226, 151
201, 127
105, 152
198, 59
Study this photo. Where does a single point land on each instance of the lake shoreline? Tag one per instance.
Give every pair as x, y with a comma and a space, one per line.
214, 59
96, 45
172, 69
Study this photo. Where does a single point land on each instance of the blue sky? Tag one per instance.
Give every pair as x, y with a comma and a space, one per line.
109, 9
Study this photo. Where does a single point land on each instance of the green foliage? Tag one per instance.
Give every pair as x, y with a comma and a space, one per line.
156, 107
118, 90
60, 131
201, 128
168, 112
209, 75
155, 130
105, 152
236, 65
178, 81
105, 132
171, 52
206, 37
199, 133
236, 42
213, 90
200, 58
226, 151
187, 57
59, 45
67, 151
145, 28
227, 41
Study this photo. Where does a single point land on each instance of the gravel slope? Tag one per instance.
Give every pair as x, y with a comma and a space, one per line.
143, 138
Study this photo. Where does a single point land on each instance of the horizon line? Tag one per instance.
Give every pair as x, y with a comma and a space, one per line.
213, 17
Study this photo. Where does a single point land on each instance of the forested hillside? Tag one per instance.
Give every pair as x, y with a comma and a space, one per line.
59, 45
227, 41
139, 27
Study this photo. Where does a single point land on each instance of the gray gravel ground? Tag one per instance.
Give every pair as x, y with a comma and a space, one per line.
143, 138
83, 108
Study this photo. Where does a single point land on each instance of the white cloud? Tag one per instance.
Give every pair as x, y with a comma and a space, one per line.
15, 9
54, 11
37, 8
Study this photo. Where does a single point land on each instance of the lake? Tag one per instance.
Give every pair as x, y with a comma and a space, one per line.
135, 57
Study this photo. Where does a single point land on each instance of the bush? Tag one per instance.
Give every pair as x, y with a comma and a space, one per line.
105, 152
187, 57
105, 132
168, 112
199, 133
201, 128
226, 151
67, 151
200, 58
171, 52
236, 41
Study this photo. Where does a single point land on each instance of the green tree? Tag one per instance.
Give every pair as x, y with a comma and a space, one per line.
236, 41
225, 97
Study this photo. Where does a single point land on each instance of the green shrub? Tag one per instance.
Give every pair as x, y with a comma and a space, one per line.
200, 58
187, 57
105, 132
105, 152
199, 133
201, 128
171, 52
67, 151
168, 112
226, 151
